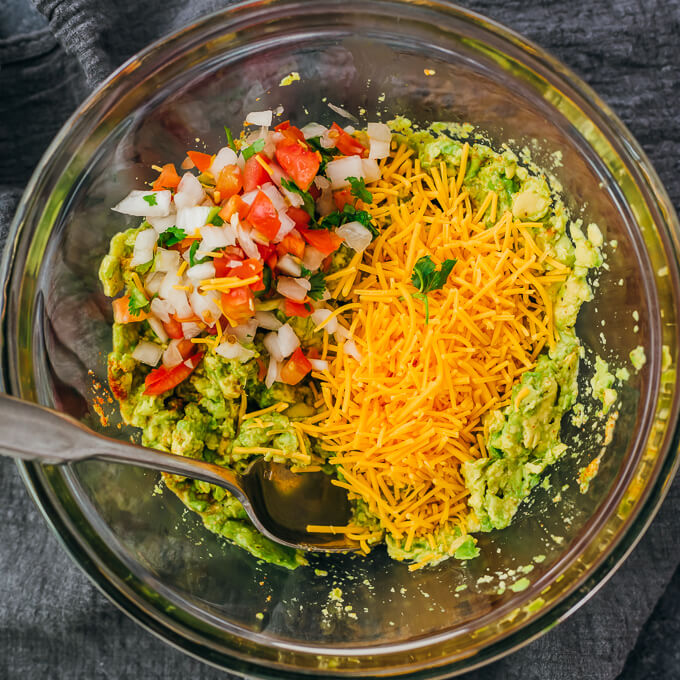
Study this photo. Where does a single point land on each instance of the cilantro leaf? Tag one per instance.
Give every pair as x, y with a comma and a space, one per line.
267, 278
358, 189
230, 139
171, 236
425, 276
137, 301
254, 148
192, 254
151, 199
349, 214
326, 154
308, 200
318, 288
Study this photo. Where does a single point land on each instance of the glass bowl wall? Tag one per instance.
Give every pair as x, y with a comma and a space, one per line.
156, 561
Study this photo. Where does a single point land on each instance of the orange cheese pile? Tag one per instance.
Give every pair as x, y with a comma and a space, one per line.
400, 422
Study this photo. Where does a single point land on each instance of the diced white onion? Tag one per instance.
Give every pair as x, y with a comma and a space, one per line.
379, 131
304, 283
241, 161
249, 197
272, 372
152, 283
271, 344
371, 169
288, 265
320, 315
263, 118
176, 298
351, 350
313, 130
245, 332
157, 328
287, 225
288, 340
189, 192
319, 364
225, 156
235, 350
143, 249
216, 237
356, 236
147, 352
246, 242
166, 260
338, 171
192, 218
274, 196
326, 141
190, 329
268, 321
161, 224
161, 308
293, 197
172, 356
378, 150
342, 112
198, 272
134, 204
312, 258
321, 182
205, 307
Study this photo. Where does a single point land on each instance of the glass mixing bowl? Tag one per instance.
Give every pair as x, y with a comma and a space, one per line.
156, 561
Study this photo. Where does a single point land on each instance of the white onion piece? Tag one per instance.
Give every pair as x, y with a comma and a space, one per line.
288, 340
379, 131
272, 373
192, 218
148, 353
245, 332
190, 329
371, 169
172, 356
287, 225
161, 309
249, 197
319, 364
356, 236
198, 272
338, 171
325, 203
157, 328
313, 130
268, 321
176, 298
263, 118
341, 333
216, 237
235, 350
152, 283
166, 260
189, 192
342, 112
304, 283
288, 265
161, 224
312, 258
134, 204
225, 156
378, 150
271, 344
274, 196
321, 182
326, 141
204, 307
293, 197
241, 161
246, 242
143, 250
320, 315
351, 350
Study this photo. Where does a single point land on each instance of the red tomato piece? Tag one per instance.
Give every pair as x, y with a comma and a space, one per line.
296, 368
291, 243
299, 216
238, 304
343, 197
300, 163
254, 175
323, 240
121, 311
173, 328
234, 205
168, 179
289, 131
202, 161
346, 143
229, 182
303, 309
248, 269
263, 216
162, 379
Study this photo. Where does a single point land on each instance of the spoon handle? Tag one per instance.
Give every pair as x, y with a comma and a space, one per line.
32, 432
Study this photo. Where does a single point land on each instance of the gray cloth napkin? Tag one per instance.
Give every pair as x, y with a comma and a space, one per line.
53, 622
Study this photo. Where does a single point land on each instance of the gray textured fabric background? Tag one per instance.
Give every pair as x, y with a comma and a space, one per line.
53, 622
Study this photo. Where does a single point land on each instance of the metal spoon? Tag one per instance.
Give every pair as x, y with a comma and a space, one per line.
279, 503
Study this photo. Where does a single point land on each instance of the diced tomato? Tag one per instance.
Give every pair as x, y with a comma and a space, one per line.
299, 216
202, 161
168, 179
303, 309
323, 240
262, 369
291, 243
184, 243
162, 379
229, 182
290, 131
263, 216
254, 175
314, 191
296, 368
300, 163
345, 143
238, 304
173, 328
343, 197
248, 269
234, 205
121, 311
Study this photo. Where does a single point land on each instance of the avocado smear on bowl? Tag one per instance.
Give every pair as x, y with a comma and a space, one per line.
230, 406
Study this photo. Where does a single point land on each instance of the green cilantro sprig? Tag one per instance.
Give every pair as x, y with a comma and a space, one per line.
326, 154
151, 199
171, 236
308, 200
426, 278
230, 139
137, 302
358, 189
318, 282
254, 148
349, 214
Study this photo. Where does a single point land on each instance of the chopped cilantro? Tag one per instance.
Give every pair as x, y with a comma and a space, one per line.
426, 278
171, 236
230, 139
137, 302
192, 255
266, 281
318, 288
151, 199
254, 148
358, 189
309, 204
326, 154
349, 214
